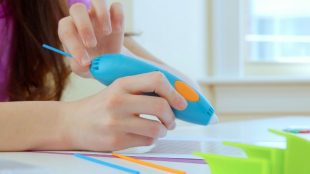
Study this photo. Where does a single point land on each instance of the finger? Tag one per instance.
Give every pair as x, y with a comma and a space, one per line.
77, 68
83, 24
100, 12
116, 38
152, 82
134, 140
82, 71
144, 127
117, 18
156, 106
71, 40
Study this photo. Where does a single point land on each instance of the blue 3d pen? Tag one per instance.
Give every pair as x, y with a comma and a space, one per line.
109, 67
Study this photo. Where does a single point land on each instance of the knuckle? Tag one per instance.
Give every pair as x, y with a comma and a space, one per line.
160, 80
85, 30
159, 77
155, 130
118, 16
77, 51
164, 111
111, 123
162, 106
120, 82
113, 102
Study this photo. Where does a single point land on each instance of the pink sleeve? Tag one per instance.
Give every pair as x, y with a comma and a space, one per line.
86, 2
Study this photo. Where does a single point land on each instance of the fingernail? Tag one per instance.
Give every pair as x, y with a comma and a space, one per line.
182, 103
86, 59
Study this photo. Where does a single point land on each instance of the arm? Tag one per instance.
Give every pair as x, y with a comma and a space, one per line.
135, 49
31, 125
106, 121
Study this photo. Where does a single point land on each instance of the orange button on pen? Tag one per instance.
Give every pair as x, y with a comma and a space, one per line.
186, 91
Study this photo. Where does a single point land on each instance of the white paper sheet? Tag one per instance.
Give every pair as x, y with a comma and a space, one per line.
14, 167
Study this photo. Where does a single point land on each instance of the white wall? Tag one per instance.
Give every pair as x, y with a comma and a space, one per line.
175, 31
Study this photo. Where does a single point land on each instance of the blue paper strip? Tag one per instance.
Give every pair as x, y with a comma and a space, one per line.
57, 50
94, 160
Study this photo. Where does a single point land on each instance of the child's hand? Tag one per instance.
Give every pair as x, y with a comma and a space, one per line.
89, 33
110, 120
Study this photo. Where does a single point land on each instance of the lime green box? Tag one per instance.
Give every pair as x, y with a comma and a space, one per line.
295, 159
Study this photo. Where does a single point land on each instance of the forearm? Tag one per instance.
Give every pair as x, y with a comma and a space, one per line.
139, 51
31, 126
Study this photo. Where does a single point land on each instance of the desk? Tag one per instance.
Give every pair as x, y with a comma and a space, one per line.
254, 131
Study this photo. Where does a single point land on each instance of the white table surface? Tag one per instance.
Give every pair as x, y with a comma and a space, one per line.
255, 131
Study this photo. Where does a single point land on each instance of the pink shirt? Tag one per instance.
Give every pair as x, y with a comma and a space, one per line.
6, 29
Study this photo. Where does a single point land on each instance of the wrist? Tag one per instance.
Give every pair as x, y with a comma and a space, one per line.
72, 120
50, 132
66, 122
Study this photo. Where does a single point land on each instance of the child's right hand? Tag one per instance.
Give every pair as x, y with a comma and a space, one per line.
110, 120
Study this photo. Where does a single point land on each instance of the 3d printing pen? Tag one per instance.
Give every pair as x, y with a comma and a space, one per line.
109, 67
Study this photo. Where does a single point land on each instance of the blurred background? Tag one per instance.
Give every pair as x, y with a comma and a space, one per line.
251, 57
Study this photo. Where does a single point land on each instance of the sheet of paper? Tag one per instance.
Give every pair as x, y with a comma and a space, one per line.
14, 167
185, 148
176, 149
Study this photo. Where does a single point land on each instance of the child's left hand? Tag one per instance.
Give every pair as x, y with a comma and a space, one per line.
89, 33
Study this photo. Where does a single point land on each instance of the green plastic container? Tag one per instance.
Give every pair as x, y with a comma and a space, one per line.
295, 159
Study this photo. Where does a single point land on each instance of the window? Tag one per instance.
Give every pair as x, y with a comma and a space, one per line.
277, 30
260, 50
260, 38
